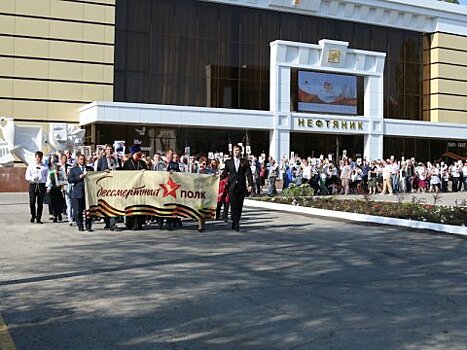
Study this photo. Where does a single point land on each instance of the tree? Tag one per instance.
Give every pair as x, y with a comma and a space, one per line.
451, 1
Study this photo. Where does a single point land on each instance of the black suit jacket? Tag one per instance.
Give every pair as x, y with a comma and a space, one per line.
103, 165
132, 164
78, 183
238, 179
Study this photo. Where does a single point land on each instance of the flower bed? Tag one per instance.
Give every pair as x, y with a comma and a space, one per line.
450, 215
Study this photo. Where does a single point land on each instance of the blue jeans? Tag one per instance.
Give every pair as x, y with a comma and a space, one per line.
395, 183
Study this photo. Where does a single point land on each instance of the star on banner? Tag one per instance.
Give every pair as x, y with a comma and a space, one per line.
170, 188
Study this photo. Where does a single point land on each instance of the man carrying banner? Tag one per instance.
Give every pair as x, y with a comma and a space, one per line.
238, 172
172, 166
77, 175
135, 163
108, 163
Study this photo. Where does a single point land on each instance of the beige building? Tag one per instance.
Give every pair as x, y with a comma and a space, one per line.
55, 57
446, 78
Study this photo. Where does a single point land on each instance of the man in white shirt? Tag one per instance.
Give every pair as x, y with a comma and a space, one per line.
36, 175
387, 181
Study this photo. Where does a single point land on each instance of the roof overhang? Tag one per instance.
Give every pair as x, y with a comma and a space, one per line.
425, 16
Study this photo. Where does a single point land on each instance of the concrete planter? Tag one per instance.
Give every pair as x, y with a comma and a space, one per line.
458, 230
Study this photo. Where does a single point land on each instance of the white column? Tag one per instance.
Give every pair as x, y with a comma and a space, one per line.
373, 144
279, 98
374, 111
279, 143
374, 98
279, 136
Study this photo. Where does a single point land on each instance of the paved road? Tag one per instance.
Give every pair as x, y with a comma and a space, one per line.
285, 282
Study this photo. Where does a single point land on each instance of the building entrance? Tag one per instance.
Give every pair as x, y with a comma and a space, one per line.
313, 145
156, 138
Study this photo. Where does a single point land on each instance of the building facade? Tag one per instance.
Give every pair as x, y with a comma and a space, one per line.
203, 74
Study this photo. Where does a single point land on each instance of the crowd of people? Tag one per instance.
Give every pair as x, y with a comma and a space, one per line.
389, 176
59, 181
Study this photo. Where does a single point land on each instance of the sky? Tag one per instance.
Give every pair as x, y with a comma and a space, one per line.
463, 2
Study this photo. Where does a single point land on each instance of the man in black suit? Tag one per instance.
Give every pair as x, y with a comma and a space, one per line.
172, 166
238, 172
108, 163
76, 178
135, 222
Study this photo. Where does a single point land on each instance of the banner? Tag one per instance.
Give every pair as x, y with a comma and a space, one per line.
154, 193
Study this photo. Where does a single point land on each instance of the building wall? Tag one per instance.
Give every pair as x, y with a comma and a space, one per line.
166, 49
55, 56
448, 78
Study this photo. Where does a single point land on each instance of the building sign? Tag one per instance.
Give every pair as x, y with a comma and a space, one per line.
457, 144
331, 125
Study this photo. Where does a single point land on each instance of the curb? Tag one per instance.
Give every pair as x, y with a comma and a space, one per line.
457, 230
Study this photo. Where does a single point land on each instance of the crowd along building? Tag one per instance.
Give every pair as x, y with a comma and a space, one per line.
373, 78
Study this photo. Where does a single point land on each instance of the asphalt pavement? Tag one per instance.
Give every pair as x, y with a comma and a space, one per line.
284, 282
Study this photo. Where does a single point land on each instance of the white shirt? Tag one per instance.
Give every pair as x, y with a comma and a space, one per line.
422, 173
387, 171
37, 173
455, 171
237, 163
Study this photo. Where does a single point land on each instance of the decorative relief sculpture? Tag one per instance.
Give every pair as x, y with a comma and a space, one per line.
22, 141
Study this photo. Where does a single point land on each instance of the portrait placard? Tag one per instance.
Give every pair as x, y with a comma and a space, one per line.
100, 149
119, 147
86, 151
62, 178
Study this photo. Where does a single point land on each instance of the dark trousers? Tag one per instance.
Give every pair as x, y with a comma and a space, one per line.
79, 206
224, 213
173, 222
135, 222
236, 204
444, 185
408, 184
49, 203
56, 201
110, 222
258, 185
36, 195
